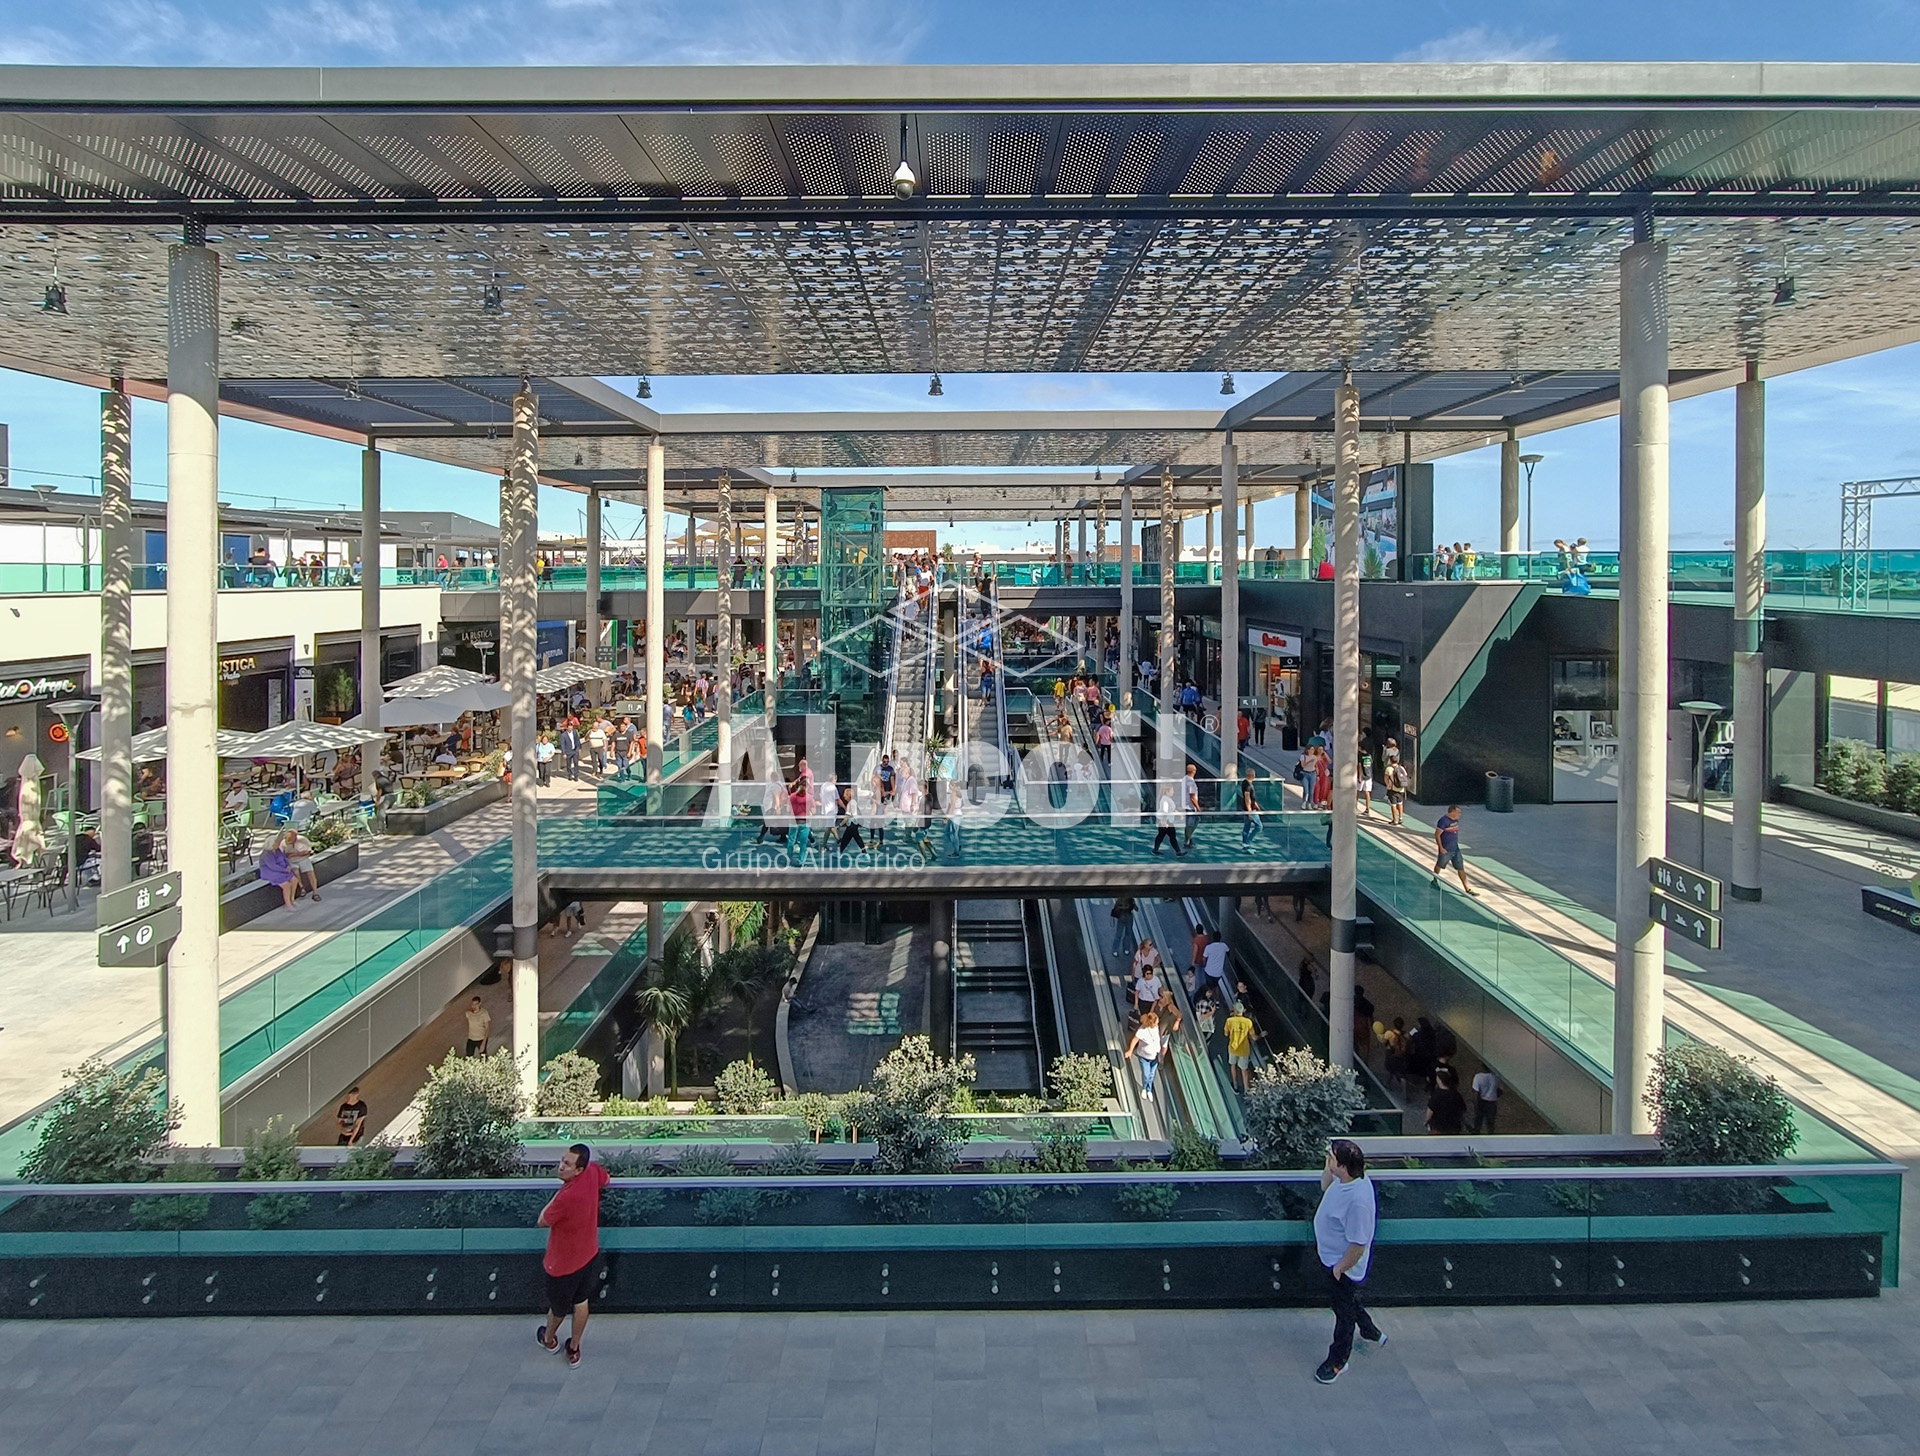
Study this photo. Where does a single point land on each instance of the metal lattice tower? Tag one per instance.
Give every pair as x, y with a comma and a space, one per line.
1856, 532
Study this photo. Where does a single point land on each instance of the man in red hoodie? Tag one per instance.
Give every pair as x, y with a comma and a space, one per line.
572, 1221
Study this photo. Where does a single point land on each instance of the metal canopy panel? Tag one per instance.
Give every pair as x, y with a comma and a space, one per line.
739, 220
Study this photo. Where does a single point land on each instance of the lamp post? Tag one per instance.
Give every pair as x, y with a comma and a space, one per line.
1702, 713
71, 711
1530, 461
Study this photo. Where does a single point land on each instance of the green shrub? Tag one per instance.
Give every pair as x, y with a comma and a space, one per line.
470, 1111
104, 1127
905, 1108
1193, 1151
1870, 781
1297, 1102
1080, 1082
1007, 1202
618, 1106
728, 1206
567, 1088
169, 1213
1147, 1200
272, 1155
1711, 1107
816, 1109
1581, 1198
366, 1161
1060, 1150
743, 1089
703, 1162
1469, 1200
1903, 783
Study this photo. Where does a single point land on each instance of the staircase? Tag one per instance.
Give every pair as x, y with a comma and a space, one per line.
993, 1006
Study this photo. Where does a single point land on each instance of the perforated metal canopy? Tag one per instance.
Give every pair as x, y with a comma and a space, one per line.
384, 224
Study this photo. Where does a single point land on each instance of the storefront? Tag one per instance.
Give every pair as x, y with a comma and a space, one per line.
336, 679
1584, 699
1274, 679
26, 724
254, 694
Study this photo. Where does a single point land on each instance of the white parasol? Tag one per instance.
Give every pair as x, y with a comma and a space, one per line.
151, 746
299, 738
564, 675
481, 697
434, 681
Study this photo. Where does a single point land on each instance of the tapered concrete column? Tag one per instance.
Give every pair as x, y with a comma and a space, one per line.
591, 616
1129, 654
1509, 505
1209, 570
1246, 533
1229, 620
1641, 823
1303, 526
770, 621
116, 640
1749, 605
723, 656
192, 1001
1080, 555
1346, 721
656, 616
1170, 736
371, 696
519, 535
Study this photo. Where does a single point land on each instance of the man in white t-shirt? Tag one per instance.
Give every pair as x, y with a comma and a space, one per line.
1343, 1236
1213, 967
1486, 1099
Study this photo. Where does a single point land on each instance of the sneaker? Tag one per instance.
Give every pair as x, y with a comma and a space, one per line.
540, 1339
1327, 1373
1146, 1096
1376, 1343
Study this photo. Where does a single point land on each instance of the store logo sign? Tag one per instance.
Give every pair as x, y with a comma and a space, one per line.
1286, 644
232, 667
34, 689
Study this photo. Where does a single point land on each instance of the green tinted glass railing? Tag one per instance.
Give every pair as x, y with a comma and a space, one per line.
595, 999
1523, 1207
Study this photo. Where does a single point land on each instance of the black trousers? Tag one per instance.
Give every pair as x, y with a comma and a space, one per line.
1172, 836
1344, 1295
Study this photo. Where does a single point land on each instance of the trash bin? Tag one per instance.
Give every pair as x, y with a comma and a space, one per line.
1499, 792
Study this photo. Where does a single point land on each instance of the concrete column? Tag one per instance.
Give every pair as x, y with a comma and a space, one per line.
1129, 655
1246, 532
1303, 527
371, 696
596, 693
1509, 505
519, 534
116, 640
192, 1000
656, 615
770, 621
723, 656
1168, 733
1229, 619
1209, 570
1749, 661
1641, 821
1346, 720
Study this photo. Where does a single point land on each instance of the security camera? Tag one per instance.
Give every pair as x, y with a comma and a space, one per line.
904, 181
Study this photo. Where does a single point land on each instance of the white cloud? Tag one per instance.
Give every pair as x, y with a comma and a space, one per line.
474, 32
1484, 43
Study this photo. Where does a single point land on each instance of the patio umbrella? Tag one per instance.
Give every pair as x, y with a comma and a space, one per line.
298, 738
433, 681
151, 746
481, 697
29, 839
565, 675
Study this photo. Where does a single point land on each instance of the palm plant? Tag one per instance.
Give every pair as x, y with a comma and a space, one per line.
665, 1007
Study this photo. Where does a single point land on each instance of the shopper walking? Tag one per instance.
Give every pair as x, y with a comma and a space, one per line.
572, 1221
1343, 1235
1486, 1101
1249, 812
479, 1027
350, 1119
1146, 1047
1166, 823
543, 752
1396, 782
1190, 802
597, 747
1123, 932
1446, 837
1239, 1031
569, 745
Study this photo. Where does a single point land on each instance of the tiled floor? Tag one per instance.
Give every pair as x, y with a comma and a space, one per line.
1771, 1378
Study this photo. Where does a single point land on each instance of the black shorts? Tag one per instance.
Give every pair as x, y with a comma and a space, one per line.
564, 1291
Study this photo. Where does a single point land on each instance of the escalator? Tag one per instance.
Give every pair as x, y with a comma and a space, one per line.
996, 1011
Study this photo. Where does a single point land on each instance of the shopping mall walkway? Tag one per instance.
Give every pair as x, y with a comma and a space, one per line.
1778, 1378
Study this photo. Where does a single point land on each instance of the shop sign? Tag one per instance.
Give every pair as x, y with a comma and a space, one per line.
1283, 644
232, 667
37, 689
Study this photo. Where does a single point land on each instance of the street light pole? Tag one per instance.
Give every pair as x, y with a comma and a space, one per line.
1530, 461
1702, 714
71, 711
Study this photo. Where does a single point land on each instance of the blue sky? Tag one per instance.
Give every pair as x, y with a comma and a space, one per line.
1841, 422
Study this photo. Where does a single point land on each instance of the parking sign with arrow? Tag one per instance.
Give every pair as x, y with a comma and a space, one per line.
141, 942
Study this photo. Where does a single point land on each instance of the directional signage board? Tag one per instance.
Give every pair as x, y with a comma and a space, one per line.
141, 898
141, 942
1685, 884
1685, 921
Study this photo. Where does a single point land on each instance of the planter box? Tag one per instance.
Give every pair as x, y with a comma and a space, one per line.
440, 814
251, 901
1870, 816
